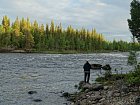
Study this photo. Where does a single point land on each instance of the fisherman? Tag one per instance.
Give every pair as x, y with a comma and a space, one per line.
87, 68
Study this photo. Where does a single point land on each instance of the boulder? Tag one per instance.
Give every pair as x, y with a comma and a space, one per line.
94, 87
96, 66
97, 87
32, 92
87, 86
66, 94
106, 67
37, 100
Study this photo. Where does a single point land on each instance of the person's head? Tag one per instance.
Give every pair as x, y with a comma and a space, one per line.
87, 62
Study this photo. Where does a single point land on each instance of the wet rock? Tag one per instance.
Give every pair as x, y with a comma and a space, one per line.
66, 94
96, 66
32, 92
106, 67
37, 100
65, 103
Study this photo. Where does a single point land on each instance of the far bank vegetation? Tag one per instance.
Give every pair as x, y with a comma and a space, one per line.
22, 34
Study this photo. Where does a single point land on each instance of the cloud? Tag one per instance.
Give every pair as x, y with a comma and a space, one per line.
104, 15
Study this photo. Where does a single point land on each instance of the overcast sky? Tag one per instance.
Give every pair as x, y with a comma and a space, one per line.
108, 17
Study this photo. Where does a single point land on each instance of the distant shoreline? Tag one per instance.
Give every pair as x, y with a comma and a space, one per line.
10, 50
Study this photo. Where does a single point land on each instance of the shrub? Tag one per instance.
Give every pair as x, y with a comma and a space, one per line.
132, 58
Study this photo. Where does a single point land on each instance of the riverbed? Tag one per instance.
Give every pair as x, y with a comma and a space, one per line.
49, 74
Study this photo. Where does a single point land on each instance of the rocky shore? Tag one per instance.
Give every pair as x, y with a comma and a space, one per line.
12, 50
99, 94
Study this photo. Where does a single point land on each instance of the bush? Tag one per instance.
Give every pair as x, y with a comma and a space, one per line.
132, 58
133, 78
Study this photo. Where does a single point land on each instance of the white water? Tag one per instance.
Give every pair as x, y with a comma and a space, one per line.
48, 74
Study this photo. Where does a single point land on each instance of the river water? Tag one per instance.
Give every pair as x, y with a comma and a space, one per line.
49, 75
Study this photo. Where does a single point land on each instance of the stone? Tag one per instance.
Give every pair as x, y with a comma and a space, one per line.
87, 86
96, 66
137, 101
66, 94
97, 87
106, 67
103, 99
32, 92
125, 89
81, 84
37, 100
106, 87
116, 94
109, 94
83, 102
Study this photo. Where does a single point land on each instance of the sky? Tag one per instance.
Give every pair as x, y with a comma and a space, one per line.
108, 17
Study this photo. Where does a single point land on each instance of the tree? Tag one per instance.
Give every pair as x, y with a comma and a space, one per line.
134, 22
29, 40
6, 23
15, 33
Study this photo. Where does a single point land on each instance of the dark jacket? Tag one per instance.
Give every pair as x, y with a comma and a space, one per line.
87, 66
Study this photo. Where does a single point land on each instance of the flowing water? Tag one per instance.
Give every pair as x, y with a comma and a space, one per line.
49, 75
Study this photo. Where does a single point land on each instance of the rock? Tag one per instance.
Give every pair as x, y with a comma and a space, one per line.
97, 87
32, 92
65, 103
81, 84
87, 86
37, 100
137, 101
125, 89
83, 102
66, 94
106, 87
109, 94
106, 67
96, 66
116, 94
98, 98
103, 99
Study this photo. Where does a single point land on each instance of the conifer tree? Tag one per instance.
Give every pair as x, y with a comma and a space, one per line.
134, 22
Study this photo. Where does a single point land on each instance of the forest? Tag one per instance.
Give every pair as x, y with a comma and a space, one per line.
26, 35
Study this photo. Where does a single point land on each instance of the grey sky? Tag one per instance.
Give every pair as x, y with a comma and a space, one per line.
108, 17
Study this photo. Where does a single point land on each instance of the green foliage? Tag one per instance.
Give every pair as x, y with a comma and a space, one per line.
110, 78
134, 22
132, 58
22, 34
133, 78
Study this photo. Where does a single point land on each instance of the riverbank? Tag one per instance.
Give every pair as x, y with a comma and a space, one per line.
12, 50
99, 94
110, 89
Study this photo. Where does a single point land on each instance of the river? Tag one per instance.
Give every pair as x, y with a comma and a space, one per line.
49, 75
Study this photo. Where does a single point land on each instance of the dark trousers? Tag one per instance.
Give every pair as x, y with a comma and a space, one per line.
86, 77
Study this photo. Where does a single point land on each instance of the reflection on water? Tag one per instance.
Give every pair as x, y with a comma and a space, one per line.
48, 74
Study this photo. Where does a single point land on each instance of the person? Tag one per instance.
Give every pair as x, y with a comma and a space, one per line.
87, 68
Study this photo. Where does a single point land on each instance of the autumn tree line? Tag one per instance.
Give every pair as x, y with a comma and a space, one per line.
22, 34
